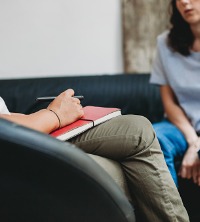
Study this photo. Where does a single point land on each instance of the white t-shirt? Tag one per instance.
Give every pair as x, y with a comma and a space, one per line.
182, 74
3, 107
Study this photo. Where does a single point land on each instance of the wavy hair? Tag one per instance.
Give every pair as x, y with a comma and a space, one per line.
180, 37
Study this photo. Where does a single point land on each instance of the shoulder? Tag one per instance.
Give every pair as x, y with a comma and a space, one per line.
162, 44
162, 38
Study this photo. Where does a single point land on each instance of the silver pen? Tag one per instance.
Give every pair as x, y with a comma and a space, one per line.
51, 98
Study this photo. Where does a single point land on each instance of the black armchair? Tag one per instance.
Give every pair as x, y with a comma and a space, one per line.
43, 179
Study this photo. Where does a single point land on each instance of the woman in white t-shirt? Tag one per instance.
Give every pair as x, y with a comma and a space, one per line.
128, 139
176, 70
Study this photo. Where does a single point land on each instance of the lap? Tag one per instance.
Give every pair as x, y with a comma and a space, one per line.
115, 138
170, 137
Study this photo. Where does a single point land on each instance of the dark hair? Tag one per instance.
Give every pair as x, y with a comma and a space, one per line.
180, 37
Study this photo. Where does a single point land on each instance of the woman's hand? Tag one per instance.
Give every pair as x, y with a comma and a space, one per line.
66, 107
190, 167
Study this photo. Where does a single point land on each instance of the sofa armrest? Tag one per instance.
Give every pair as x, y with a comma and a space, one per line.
44, 178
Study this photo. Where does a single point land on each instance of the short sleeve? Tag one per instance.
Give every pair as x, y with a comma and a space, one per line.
158, 75
3, 107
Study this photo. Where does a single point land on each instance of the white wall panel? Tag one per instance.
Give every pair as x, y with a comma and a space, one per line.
60, 37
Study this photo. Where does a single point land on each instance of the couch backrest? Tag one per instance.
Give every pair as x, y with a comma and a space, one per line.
132, 93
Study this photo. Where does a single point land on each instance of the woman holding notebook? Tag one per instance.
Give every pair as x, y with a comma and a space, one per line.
128, 139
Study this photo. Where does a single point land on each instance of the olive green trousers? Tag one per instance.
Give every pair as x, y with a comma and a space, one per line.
131, 141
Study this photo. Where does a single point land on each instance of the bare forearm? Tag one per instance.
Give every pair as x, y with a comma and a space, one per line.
63, 110
43, 120
176, 115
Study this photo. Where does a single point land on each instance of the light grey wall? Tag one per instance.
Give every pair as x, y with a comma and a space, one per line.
60, 37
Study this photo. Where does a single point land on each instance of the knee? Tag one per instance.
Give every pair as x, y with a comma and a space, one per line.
140, 126
136, 135
144, 126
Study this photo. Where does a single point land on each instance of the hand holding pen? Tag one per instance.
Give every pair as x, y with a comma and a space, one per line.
64, 107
